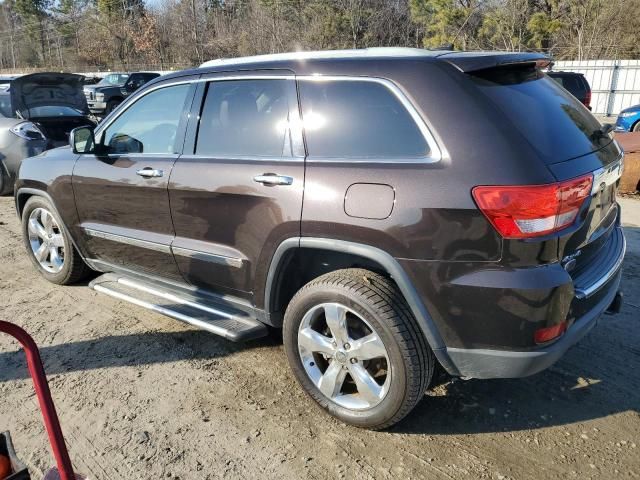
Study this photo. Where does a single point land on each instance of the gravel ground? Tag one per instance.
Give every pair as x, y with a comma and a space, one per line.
142, 396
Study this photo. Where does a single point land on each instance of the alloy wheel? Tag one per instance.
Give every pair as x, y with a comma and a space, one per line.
344, 356
46, 240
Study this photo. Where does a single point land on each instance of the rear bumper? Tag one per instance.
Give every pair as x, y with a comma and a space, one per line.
481, 363
594, 294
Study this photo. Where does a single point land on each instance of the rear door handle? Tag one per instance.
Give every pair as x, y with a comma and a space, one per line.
273, 179
149, 172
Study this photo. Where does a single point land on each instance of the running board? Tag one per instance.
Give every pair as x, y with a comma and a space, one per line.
220, 320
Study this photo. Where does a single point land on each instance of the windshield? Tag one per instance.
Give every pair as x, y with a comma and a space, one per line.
54, 111
114, 79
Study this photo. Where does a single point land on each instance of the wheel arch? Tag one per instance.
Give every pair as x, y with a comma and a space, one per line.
375, 258
23, 195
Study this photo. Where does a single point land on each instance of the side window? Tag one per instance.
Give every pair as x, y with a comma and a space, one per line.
358, 119
245, 118
137, 80
150, 125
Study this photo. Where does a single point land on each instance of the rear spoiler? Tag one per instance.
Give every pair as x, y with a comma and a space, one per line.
468, 62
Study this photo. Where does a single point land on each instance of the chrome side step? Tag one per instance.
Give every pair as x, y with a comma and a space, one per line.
217, 319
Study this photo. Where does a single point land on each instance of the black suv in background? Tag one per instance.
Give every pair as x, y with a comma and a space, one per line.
332, 195
575, 84
108, 93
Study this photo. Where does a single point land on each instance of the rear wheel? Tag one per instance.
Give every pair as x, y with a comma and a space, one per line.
48, 244
355, 348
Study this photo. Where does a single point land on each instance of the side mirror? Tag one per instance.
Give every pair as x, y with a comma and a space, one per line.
82, 140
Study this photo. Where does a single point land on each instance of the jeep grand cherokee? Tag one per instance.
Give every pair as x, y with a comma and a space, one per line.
387, 208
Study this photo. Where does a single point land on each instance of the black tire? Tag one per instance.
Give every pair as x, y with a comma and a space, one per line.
112, 105
377, 300
73, 267
636, 127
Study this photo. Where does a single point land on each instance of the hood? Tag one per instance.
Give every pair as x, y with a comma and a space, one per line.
633, 108
48, 89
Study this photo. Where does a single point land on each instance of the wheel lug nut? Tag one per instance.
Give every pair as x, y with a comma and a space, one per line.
334, 344
354, 360
347, 346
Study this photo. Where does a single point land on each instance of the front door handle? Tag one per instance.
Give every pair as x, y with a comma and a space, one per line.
273, 179
149, 172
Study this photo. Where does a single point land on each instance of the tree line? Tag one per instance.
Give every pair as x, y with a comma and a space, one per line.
87, 35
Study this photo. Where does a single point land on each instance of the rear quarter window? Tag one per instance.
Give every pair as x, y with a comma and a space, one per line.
352, 119
574, 83
549, 118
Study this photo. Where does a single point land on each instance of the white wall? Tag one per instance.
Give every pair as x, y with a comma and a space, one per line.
615, 84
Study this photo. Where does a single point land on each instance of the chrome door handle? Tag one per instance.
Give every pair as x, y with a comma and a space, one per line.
149, 172
273, 179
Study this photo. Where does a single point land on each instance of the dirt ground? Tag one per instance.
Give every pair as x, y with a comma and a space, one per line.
142, 396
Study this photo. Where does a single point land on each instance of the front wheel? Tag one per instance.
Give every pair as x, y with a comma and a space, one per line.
112, 105
5, 184
355, 348
636, 127
48, 244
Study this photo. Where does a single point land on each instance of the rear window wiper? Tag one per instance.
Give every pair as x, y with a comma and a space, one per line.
602, 132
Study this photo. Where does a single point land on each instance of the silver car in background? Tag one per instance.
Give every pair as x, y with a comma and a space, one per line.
37, 112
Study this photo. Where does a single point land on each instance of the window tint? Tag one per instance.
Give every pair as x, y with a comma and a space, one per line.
553, 122
573, 83
358, 119
244, 118
150, 125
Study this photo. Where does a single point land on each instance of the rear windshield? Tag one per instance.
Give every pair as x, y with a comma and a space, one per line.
554, 122
574, 83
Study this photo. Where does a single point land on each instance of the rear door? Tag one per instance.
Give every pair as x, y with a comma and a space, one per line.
121, 194
236, 193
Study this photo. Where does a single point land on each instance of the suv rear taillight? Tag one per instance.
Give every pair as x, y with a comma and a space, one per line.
587, 99
533, 210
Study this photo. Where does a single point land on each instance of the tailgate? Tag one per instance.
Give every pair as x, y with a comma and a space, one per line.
600, 214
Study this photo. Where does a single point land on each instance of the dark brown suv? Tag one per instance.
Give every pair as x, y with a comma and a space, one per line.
387, 208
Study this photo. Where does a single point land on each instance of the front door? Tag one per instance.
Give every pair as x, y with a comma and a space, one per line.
121, 193
238, 193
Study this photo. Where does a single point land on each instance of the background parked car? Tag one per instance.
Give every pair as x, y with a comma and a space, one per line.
629, 120
107, 94
37, 112
91, 80
576, 84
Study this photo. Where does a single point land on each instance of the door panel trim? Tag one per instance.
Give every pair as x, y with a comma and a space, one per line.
158, 247
207, 257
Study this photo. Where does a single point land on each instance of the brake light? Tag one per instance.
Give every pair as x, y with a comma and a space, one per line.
544, 335
533, 210
587, 99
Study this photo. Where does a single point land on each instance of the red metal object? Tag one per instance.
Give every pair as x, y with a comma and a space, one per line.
43, 393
